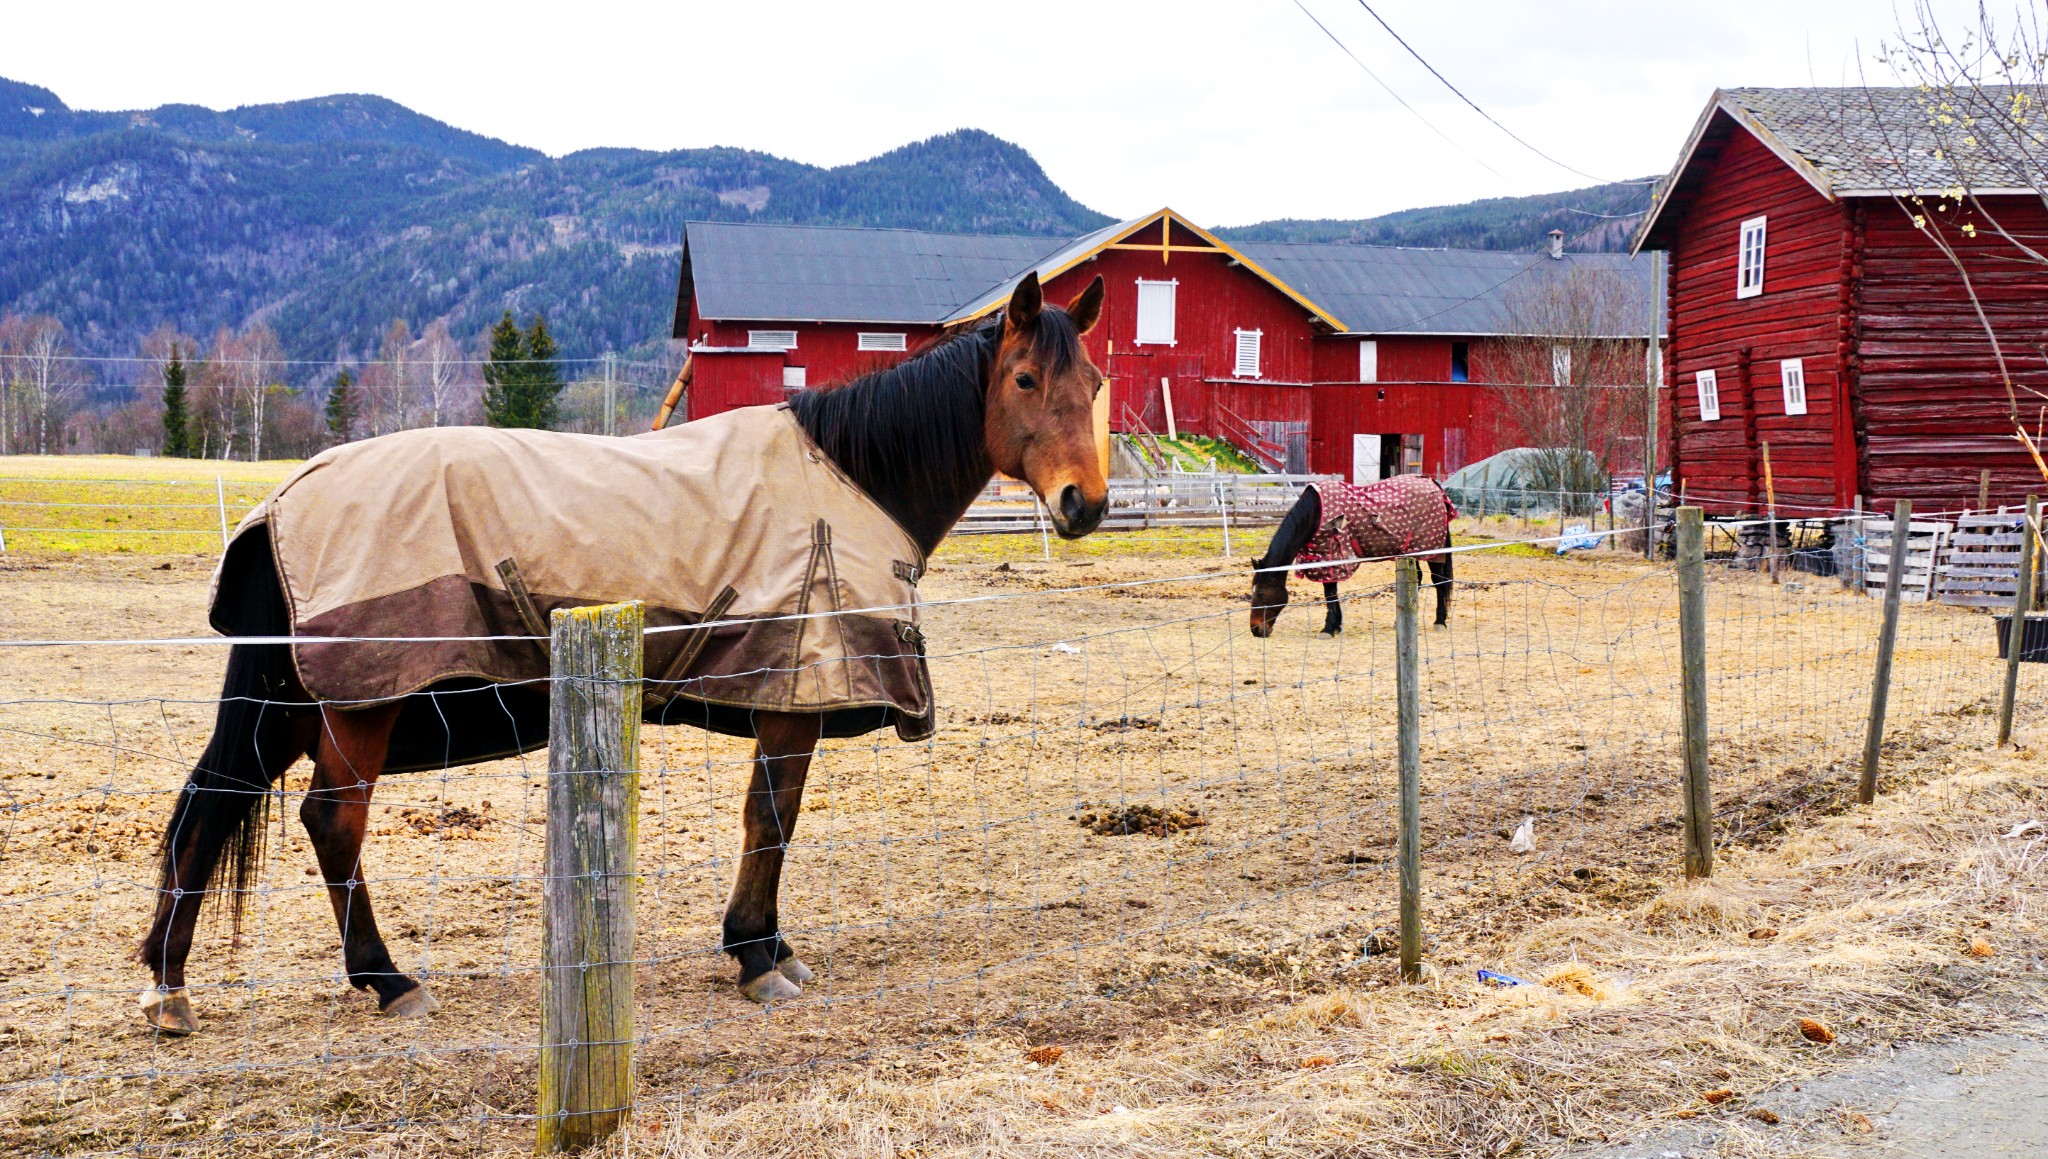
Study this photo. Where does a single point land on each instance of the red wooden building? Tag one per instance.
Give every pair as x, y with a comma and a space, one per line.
1812, 307
1373, 359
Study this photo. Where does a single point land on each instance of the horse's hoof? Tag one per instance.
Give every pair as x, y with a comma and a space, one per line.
169, 1011
771, 987
795, 971
414, 1003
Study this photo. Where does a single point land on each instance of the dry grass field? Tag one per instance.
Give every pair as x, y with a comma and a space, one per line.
1220, 989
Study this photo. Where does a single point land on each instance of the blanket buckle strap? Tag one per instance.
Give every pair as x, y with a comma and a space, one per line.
522, 601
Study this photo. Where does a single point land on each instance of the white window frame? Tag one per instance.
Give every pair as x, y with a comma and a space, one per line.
1255, 347
1792, 376
1172, 290
771, 340
894, 341
794, 378
1749, 259
1369, 360
1708, 384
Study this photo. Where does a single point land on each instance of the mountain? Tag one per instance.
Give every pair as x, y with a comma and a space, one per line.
1600, 218
327, 218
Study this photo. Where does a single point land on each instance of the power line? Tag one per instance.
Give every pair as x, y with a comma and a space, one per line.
1474, 157
1491, 119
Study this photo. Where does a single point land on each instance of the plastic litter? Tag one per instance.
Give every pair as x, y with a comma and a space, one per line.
1525, 837
1493, 978
1069, 649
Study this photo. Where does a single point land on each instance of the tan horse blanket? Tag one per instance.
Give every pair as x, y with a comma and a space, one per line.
739, 518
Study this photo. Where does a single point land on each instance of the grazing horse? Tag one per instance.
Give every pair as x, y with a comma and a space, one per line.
1340, 521
918, 441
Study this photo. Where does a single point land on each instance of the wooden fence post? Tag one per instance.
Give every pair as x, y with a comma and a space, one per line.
1692, 658
586, 1043
1881, 683
1408, 697
2022, 603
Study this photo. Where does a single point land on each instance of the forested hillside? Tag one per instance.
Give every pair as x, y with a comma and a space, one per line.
1599, 218
328, 218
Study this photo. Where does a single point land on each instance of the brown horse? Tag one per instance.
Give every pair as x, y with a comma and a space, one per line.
1395, 516
920, 439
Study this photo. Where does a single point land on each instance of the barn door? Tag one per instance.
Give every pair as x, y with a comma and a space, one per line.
1365, 459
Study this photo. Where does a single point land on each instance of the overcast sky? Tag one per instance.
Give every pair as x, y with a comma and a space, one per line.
1230, 111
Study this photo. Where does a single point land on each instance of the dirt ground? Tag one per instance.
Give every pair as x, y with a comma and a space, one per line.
948, 893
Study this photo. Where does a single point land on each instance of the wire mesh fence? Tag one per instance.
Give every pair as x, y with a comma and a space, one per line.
1130, 803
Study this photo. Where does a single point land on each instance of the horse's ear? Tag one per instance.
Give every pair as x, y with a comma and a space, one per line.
1025, 303
1086, 310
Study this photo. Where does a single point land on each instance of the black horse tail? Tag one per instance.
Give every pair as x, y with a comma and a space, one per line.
224, 808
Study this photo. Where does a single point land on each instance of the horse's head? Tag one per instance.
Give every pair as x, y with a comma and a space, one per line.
1041, 405
1269, 596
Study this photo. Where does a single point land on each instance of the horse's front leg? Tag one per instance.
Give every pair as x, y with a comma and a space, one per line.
336, 812
769, 970
1333, 611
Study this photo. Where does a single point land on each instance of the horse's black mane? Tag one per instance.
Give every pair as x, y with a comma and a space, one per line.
912, 436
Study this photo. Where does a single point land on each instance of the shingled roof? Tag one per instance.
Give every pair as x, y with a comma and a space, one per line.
1867, 142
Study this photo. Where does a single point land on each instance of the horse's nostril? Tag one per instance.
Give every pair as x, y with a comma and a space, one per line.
1072, 506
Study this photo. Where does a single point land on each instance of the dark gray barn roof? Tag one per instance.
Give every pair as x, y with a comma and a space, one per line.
800, 273
1389, 290
812, 273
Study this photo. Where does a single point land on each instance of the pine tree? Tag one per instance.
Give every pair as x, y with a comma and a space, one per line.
177, 417
504, 375
522, 386
341, 406
543, 381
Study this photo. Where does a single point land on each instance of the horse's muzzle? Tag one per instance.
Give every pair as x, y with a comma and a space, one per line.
1073, 516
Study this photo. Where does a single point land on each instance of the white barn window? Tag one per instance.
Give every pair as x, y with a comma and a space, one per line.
1749, 261
882, 341
1561, 365
1709, 385
1792, 373
1155, 313
772, 339
793, 378
1369, 361
1248, 353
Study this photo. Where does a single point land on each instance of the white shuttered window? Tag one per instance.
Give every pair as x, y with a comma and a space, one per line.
1709, 385
1792, 372
1248, 353
873, 341
793, 378
1749, 260
772, 339
1369, 361
1155, 313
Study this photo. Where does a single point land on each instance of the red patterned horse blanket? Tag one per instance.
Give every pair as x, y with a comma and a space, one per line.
1395, 516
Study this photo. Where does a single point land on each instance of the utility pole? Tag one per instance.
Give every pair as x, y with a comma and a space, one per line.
1653, 374
611, 397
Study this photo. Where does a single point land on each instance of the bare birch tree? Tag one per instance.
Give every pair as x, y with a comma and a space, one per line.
441, 357
1576, 337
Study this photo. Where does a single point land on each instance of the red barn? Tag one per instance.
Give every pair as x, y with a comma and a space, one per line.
1253, 342
1812, 306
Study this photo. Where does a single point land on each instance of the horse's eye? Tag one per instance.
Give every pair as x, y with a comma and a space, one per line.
1027, 381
